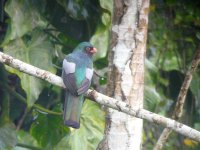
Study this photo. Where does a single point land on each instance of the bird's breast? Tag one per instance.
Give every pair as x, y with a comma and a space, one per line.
80, 74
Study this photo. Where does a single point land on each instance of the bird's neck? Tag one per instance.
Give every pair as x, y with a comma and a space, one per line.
85, 55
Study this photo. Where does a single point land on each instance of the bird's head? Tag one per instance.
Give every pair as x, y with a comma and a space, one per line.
87, 48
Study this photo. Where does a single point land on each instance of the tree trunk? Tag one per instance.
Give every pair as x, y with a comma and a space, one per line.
126, 73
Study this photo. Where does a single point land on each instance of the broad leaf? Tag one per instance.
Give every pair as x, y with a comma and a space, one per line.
152, 98
107, 5
75, 19
195, 88
24, 17
90, 132
7, 136
34, 49
100, 39
75, 9
48, 130
25, 138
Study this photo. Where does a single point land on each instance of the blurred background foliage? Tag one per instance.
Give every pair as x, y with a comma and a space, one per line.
42, 33
173, 37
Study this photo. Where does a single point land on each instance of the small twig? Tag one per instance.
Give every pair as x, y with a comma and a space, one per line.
54, 37
20, 123
23, 100
180, 100
99, 75
46, 110
28, 146
57, 67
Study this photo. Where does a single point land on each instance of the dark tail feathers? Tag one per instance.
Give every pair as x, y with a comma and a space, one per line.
72, 110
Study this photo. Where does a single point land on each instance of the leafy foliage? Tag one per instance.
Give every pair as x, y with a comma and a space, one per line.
172, 42
34, 49
90, 132
41, 33
7, 136
48, 130
25, 138
24, 17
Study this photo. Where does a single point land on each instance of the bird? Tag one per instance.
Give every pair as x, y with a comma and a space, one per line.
77, 72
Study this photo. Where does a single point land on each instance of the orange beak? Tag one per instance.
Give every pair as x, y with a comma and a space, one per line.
93, 50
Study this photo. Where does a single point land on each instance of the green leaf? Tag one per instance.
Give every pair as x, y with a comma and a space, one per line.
198, 35
90, 132
195, 88
101, 63
170, 61
25, 138
152, 75
197, 126
24, 17
107, 11
75, 8
151, 72
4, 97
152, 98
108, 5
7, 137
34, 49
48, 130
102, 81
100, 40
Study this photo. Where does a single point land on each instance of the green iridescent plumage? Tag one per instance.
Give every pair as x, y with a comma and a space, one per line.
77, 74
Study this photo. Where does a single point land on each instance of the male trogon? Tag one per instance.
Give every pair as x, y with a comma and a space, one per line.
77, 73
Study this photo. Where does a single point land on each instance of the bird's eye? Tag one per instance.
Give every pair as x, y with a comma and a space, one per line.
87, 48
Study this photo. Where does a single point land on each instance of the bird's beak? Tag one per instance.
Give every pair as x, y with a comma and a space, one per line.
93, 50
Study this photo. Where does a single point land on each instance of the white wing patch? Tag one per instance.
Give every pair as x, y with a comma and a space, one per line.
69, 67
89, 73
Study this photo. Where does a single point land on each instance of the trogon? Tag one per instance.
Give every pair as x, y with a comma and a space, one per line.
77, 72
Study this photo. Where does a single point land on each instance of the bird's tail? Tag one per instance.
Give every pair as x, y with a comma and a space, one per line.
72, 110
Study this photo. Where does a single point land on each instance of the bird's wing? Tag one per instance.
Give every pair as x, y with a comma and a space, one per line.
86, 82
68, 76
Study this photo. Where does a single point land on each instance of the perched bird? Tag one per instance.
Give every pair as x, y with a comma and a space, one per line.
77, 72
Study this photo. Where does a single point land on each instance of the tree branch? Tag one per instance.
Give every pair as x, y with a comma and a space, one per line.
180, 100
21, 120
103, 99
28, 146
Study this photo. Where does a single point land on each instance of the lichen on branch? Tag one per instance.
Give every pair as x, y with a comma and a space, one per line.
103, 99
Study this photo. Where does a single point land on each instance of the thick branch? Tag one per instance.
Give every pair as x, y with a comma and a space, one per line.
103, 99
180, 100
